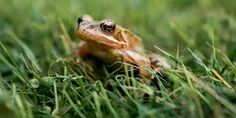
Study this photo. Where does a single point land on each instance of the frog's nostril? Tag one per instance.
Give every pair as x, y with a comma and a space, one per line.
79, 20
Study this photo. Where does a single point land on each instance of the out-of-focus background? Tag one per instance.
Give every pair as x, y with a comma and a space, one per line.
34, 33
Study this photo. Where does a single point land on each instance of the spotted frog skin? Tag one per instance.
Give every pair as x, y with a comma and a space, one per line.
111, 43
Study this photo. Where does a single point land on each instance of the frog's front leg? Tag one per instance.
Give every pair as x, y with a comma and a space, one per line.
82, 52
82, 49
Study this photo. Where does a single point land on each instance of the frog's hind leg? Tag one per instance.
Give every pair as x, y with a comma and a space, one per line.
158, 63
143, 63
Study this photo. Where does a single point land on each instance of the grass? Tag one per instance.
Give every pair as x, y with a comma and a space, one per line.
197, 37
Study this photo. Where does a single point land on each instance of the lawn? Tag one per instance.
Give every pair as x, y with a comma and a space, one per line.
38, 77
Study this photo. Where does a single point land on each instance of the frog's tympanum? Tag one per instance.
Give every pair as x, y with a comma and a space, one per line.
110, 43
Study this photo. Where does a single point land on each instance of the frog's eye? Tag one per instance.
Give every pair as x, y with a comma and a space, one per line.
108, 26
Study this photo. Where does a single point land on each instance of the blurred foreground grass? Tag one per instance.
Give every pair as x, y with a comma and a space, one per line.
36, 81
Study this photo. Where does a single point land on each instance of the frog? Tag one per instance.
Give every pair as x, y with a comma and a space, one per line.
111, 43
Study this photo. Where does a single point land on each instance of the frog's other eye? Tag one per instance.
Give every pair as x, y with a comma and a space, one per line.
108, 26
79, 20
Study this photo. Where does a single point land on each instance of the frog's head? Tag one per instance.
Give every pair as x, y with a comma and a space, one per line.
98, 31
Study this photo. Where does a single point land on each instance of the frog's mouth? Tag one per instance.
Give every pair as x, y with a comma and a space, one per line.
103, 39
96, 35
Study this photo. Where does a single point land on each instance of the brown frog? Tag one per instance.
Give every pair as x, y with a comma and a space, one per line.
111, 43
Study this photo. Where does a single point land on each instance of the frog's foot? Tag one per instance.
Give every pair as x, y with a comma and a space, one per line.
158, 63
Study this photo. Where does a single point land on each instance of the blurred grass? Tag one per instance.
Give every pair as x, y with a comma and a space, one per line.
199, 36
